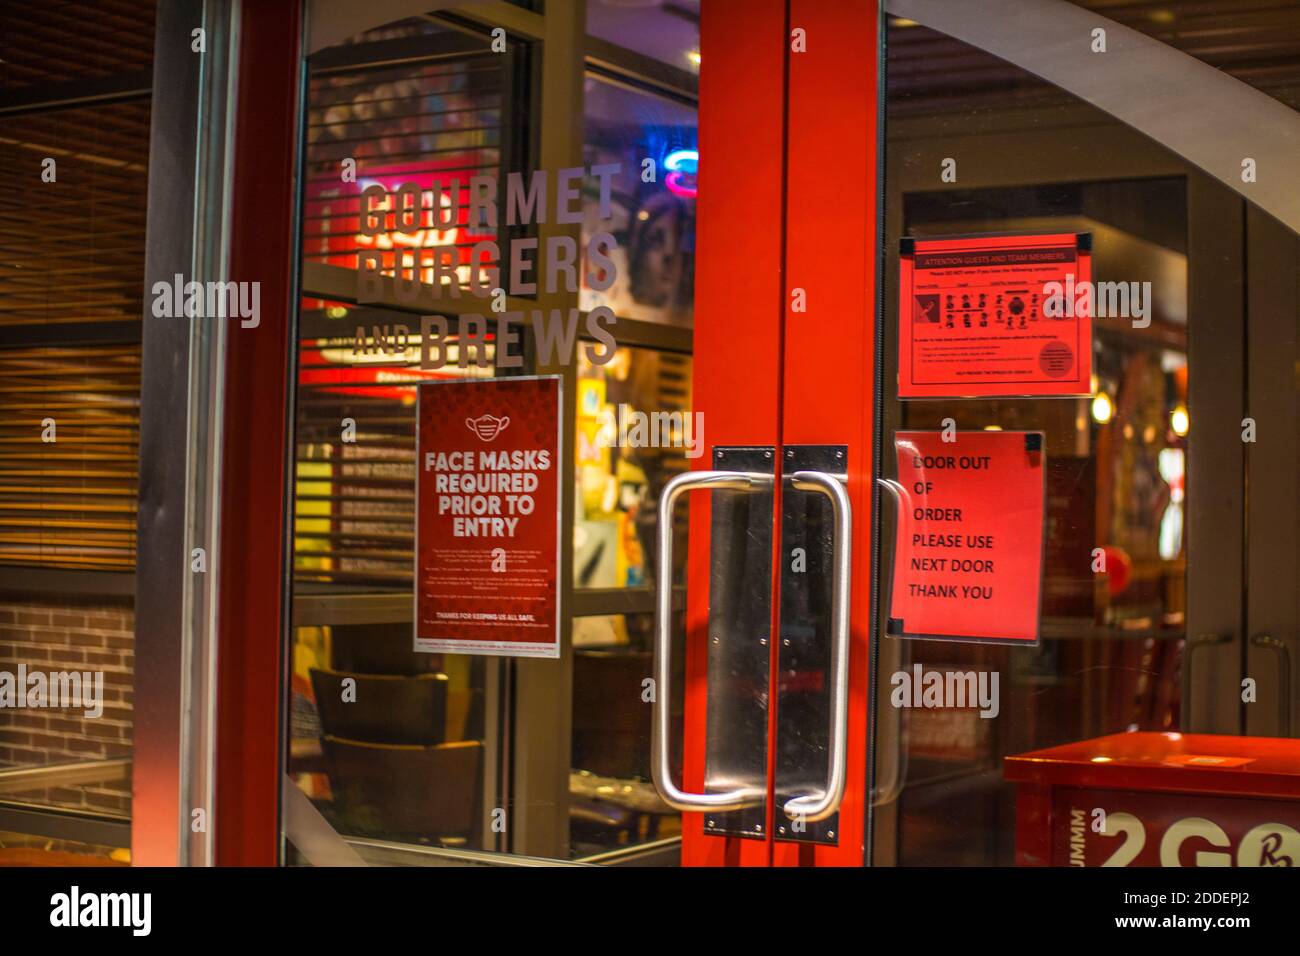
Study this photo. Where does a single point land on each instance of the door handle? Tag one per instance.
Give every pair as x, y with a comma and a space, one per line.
660, 771
889, 792
1283, 678
1192, 705
816, 807
1205, 640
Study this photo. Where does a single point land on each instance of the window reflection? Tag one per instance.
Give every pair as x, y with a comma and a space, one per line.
653, 222
1112, 639
619, 479
423, 749
668, 32
613, 802
1114, 599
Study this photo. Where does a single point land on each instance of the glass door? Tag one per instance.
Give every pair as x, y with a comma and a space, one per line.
712, 718
395, 755
1168, 604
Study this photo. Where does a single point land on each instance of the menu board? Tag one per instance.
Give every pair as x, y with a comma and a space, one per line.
989, 316
968, 560
487, 517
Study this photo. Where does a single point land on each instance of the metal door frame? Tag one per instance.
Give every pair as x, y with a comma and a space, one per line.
779, 209
737, 365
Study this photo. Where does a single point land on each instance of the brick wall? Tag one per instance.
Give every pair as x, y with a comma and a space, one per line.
68, 634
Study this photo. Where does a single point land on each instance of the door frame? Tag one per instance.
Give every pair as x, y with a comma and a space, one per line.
780, 210
737, 365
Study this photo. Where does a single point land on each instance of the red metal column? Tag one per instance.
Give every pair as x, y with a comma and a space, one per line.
738, 300
829, 356
256, 453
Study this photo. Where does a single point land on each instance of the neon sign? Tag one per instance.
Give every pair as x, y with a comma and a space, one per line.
683, 167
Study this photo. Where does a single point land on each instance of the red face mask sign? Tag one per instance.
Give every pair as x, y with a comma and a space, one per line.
487, 506
995, 316
968, 558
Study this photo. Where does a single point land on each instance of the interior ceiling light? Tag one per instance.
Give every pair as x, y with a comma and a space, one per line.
1180, 421
1102, 408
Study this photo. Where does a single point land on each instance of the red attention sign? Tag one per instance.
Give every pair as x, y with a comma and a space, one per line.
995, 316
968, 560
487, 505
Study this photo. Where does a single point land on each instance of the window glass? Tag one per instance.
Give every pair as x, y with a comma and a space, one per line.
1112, 644
450, 754
653, 222
410, 713
641, 396
24, 849
1255, 43
356, 443
665, 31
434, 123
388, 744
72, 294
613, 801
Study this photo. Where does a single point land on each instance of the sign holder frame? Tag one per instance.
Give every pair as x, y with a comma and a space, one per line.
906, 270
899, 633
559, 520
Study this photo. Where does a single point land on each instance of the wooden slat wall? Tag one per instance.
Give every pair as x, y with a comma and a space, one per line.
71, 252
62, 41
69, 503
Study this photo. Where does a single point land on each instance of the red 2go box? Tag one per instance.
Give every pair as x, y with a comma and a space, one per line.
1159, 799
487, 517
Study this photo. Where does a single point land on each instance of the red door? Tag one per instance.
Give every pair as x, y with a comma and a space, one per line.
777, 690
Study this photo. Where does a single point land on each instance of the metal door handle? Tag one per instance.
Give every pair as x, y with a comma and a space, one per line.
1283, 679
675, 797
819, 806
1205, 640
888, 793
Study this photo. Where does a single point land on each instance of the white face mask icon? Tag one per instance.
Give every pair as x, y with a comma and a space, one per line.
487, 427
